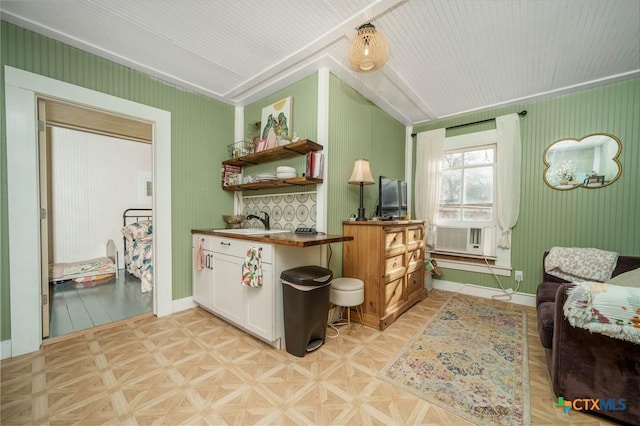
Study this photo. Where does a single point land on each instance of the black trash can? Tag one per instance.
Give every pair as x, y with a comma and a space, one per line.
305, 293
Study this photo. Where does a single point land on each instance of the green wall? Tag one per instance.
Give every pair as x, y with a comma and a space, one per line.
605, 218
304, 122
357, 129
201, 128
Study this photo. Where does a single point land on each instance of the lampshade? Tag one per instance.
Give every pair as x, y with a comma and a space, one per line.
368, 50
361, 173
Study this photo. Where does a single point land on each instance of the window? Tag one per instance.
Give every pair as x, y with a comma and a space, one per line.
467, 186
474, 203
466, 216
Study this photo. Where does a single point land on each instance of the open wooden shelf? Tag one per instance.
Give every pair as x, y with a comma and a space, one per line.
296, 181
278, 153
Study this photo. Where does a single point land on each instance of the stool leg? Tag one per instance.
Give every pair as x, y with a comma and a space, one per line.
359, 311
349, 319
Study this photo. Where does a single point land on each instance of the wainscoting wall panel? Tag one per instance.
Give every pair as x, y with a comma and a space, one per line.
94, 178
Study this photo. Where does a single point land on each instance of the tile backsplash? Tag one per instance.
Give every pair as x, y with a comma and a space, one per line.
286, 211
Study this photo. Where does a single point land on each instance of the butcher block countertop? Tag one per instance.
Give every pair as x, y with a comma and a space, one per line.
276, 237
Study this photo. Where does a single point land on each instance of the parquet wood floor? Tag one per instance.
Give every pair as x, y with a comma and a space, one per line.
193, 368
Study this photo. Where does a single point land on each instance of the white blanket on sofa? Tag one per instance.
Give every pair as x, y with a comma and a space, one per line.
580, 264
607, 309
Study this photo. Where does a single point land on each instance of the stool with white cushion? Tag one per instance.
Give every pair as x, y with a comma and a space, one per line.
348, 292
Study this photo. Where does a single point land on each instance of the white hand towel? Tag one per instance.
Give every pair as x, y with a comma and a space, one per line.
199, 254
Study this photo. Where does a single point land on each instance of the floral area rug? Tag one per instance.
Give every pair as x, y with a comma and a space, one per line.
470, 359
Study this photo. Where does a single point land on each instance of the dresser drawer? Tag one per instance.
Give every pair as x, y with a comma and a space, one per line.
393, 293
415, 237
394, 241
394, 265
415, 260
415, 281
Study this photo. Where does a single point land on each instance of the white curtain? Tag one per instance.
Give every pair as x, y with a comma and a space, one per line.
429, 147
508, 176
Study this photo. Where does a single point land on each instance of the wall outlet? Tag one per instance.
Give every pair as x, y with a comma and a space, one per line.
518, 275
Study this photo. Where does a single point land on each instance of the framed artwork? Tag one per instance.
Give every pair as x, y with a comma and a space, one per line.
276, 123
145, 188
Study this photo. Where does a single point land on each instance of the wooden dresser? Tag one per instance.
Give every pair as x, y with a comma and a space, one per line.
389, 257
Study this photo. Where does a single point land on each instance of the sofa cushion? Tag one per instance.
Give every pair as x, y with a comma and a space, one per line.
545, 323
546, 292
628, 279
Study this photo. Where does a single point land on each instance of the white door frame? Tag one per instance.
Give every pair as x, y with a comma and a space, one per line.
21, 89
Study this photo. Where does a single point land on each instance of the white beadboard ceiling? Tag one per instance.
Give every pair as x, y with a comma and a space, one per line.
446, 57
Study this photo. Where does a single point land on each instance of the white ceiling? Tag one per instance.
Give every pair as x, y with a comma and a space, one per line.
446, 57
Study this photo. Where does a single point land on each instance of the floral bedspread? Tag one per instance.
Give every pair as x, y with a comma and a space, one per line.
138, 256
608, 309
138, 259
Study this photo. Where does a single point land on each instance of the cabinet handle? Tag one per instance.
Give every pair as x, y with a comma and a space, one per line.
222, 243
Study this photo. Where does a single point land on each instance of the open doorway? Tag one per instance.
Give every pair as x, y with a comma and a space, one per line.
95, 166
21, 91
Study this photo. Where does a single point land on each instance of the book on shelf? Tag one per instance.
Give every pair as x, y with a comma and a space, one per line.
231, 175
315, 165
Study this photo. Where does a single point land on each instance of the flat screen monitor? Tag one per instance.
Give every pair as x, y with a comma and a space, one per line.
392, 197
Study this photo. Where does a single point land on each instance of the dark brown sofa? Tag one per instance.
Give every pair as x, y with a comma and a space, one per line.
583, 365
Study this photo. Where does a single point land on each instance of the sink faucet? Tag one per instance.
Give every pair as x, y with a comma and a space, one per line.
264, 221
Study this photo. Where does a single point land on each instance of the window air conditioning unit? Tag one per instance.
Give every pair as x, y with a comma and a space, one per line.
474, 241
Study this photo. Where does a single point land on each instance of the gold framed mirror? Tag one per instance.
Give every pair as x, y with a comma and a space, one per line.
590, 162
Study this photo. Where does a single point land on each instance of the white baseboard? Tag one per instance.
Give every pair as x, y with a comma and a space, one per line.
5, 349
525, 299
183, 304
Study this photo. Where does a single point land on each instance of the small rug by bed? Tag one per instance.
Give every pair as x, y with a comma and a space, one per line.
100, 280
470, 359
86, 282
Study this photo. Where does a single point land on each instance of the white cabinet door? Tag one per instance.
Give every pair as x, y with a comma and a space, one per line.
202, 279
218, 287
228, 291
259, 302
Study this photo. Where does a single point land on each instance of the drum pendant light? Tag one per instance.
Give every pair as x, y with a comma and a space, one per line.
368, 50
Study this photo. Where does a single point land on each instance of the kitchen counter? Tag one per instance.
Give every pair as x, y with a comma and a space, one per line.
280, 238
383, 222
217, 279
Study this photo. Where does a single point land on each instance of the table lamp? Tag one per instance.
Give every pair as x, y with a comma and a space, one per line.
361, 175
